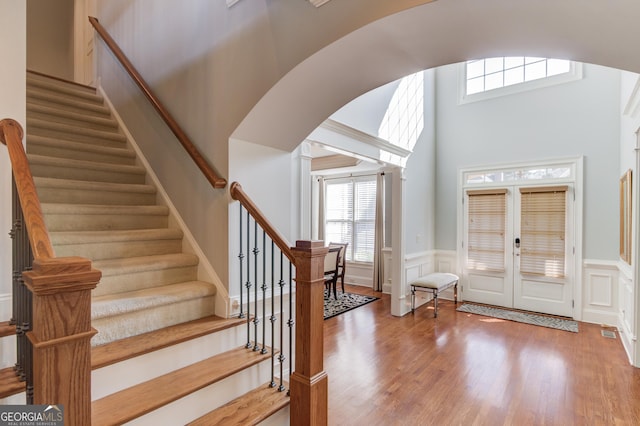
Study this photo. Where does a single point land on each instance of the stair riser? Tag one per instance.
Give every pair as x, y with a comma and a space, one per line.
114, 250
138, 281
61, 92
54, 129
143, 321
41, 80
74, 154
71, 105
59, 117
199, 403
74, 196
77, 137
91, 175
99, 222
115, 377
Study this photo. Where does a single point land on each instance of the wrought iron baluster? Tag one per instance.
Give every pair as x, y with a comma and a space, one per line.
273, 317
281, 357
248, 283
22, 302
241, 257
291, 321
256, 318
264, 292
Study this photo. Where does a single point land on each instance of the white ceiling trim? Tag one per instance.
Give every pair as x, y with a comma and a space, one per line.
361, 136
316, 3
333, 162
633, 103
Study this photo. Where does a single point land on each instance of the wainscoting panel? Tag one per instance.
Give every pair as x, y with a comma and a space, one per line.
626, 316
359, 274
386, 261
600, 292
419, 264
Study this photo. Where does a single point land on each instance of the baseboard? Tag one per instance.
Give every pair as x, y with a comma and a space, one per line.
627, 338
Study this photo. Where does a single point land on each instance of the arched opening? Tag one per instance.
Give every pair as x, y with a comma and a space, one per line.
424, 38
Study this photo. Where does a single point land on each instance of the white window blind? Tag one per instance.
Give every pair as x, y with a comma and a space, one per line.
487, 214
350, 216
542, 231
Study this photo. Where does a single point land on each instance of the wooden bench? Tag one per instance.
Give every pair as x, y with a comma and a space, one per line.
434, 282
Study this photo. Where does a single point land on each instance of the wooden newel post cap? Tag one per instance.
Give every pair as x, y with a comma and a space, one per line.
310, 246
9, 123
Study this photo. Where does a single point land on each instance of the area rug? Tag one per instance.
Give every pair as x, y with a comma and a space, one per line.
524, 317
345, 302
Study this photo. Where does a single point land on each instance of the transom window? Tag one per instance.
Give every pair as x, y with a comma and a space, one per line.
491, 77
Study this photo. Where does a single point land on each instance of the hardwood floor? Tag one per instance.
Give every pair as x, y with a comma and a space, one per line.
465, 369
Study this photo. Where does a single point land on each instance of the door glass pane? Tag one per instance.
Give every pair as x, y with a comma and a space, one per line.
486, 231
542, 232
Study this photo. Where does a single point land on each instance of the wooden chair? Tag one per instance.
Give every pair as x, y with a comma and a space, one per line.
331, 266
343, 261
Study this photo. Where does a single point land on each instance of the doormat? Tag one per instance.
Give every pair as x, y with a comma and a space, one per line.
524, 317
346, 302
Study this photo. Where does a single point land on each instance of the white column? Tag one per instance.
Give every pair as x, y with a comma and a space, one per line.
305, 180
399, 307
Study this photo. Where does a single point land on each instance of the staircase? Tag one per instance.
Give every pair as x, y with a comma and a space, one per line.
159, 342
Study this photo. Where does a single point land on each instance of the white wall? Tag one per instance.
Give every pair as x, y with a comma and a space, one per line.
568, 120
267, 175
12, 105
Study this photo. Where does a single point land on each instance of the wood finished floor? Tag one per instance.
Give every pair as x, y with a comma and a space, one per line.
465, 369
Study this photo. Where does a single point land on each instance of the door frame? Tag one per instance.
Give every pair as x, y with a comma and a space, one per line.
575, 178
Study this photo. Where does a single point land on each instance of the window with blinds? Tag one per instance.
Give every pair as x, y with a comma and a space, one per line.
542, 231
350, 209
487, 218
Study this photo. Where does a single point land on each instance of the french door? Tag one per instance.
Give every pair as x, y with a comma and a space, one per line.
518, 247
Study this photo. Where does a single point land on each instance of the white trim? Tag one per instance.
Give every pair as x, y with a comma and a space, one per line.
206, 272
574, 74
633, 103
316, 3
601, 292
360, 136
359, 273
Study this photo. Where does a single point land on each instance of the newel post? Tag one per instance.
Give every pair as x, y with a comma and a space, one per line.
61, 334
309, 381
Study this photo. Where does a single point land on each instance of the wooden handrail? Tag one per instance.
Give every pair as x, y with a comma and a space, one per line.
213, 178
237, 193
11, 134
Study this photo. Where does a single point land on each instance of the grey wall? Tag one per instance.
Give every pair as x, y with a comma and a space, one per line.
50, 37
577, 118
420, 175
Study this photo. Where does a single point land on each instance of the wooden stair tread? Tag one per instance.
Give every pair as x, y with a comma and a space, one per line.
248, 409
9, 383
7, 329
134, 346
145, 397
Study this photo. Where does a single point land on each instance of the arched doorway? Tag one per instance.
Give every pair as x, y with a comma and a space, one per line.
432, 35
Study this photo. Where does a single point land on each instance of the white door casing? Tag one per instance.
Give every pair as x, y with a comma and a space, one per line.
509, 287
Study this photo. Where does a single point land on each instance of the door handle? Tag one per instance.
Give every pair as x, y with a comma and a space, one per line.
517, 242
